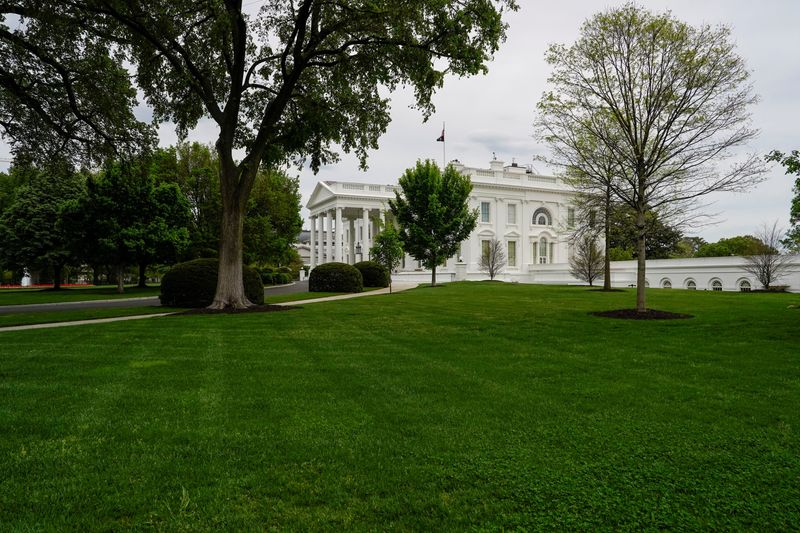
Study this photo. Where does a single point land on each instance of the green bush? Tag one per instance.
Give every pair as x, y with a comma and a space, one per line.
267, 278
335, 277
192, 284
374, 274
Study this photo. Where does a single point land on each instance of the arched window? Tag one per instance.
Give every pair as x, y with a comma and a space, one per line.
541, 217
666, 284
543, 250
716, 285
691, 284
745, 286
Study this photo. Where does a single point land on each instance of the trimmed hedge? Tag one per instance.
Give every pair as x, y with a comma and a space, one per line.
374, 274
335, 277
193, 284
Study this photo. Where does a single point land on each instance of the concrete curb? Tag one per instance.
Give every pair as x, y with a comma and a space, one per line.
81, 322
396, 287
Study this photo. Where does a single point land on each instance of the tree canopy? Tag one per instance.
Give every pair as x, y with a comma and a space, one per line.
666, 101
286, 85
791, 163
433, 213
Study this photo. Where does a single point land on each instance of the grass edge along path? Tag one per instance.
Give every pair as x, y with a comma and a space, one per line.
9, 320
467, 407
49, 296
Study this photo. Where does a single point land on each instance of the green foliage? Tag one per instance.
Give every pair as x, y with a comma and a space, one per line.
791, 163
662, 239
388, 249
30, 231
335, 277
741, 245
291, 84
124, 218
433, 213
272, 219
374, 274
193, 284
688, 247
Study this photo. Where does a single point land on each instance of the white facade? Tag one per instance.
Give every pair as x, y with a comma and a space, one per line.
530, 214
527, 212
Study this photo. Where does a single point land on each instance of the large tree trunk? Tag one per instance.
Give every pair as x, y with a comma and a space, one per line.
57, 269
641, 262
230, 285
95, 275
142, 276
607, 246
433, 276
120, 278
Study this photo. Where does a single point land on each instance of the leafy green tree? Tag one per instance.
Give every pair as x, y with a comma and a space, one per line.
272, 221
667, 101
791, 163
433, 213
388, 250
64, 92
289, 84
688, 247
124, 219
29, 231
662, 239
742, 245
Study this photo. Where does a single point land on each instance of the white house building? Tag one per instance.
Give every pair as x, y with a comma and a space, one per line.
529, 213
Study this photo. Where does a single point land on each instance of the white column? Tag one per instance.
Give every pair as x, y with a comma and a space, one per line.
365, 244
321, 238
339, 234
313, 242
352, 241
329, 235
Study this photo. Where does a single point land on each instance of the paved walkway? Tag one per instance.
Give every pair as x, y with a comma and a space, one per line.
396, 287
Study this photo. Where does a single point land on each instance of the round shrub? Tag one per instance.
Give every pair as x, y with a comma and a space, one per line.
335, 277
267, 278
374, 274
193, 284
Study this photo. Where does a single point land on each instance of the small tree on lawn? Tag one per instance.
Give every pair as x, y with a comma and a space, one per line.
768, 265
433, 213
493, 258
388, 250
588, 263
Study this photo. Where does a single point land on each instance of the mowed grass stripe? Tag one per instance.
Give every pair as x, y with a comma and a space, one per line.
473, 405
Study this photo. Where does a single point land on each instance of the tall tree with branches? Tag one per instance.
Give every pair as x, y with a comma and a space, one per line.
588, 261
767, 263
666, 101
285, 85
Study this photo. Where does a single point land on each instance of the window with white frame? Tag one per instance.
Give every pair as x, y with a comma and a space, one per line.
571, 217
512, 253
666, 284
691, 285
485, 212
512, 213
485, 248
745, 286
543, 250
716, 285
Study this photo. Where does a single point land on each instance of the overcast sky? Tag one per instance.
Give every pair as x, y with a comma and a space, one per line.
495, 112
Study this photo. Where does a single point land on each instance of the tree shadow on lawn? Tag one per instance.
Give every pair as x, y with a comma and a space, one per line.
633, 314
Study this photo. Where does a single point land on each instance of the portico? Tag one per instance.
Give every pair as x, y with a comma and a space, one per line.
344, 218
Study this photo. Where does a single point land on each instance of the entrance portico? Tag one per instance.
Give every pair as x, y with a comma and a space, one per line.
344, 218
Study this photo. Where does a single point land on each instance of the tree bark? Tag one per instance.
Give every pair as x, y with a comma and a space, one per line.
607, 234
120, 278
433, 275
641, 263
230, 285
142, 276
57, 269
95, 275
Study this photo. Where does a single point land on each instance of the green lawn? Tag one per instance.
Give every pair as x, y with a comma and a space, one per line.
471, 406
21, 319
72, 294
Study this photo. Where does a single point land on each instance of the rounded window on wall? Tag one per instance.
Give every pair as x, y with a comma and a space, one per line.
691, 285
666, 284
